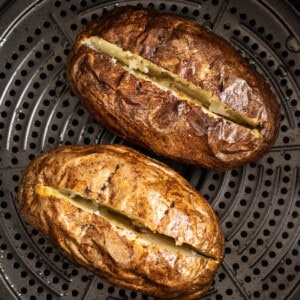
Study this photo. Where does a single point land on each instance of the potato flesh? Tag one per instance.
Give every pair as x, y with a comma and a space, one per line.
131, 229
165, 80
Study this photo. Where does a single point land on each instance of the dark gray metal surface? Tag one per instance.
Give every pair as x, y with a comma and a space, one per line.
258, 204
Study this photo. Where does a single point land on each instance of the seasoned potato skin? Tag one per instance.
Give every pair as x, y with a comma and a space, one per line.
140, 112
139, 187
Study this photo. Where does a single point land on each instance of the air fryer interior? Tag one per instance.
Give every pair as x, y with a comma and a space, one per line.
257, 204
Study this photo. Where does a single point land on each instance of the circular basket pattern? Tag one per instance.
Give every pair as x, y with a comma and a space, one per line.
257, 204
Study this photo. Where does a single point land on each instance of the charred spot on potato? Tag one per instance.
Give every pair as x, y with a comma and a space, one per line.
86, 191
211, 65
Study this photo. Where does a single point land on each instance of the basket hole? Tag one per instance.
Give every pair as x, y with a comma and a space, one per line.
17, 236
14, 56
243, 16
289, 92
74, 272
281, 286
291, 63
184, 10
173, 7
277, 212
280, 201
248, 190
250, 225
227, 250
229, 292
196, 13
23, 274
256, 294
162, 6
86, 141
290, 277
221, 204
63, 13
75, 122
236, 32
228, 225
233, 10
243, 202
30, 255
264, 263
265, 287
236, 242
295, 214
244, 234
231, 184
277, 45
7, 67
18, 82
244, 258
234, 173
207, 17
236, 214
100, 286
38, 264
83, 21
259, 242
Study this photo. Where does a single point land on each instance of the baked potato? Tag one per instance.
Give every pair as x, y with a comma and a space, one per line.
170, 85
126, 217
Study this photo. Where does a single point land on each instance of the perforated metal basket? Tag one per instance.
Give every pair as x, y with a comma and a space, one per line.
258, 204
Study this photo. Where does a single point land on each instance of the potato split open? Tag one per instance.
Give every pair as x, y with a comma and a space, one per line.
133, 229
180, 87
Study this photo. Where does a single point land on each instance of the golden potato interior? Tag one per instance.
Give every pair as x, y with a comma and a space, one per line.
180, 87
133, 230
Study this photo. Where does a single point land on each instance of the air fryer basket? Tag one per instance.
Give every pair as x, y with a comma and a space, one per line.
258, 204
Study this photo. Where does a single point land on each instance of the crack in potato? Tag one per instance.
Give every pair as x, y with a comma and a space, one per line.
180, 87
133, 229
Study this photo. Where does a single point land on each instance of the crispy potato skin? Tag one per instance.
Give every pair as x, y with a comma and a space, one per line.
143, 114
144, 190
